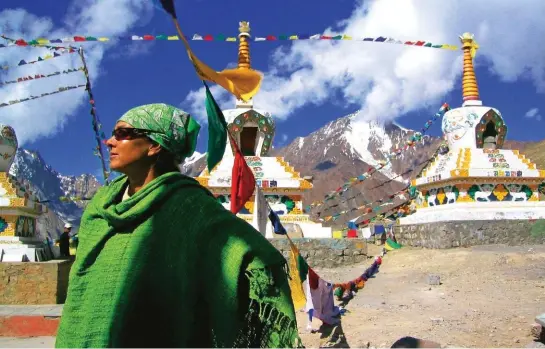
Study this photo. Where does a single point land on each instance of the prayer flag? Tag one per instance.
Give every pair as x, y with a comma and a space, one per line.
296, 283
168, 6
278, 228
242, 83
391, 245
217, 131
243, 180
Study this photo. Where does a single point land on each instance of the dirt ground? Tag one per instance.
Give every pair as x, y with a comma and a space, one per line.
489, 297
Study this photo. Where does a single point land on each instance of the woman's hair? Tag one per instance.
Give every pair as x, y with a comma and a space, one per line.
166, 162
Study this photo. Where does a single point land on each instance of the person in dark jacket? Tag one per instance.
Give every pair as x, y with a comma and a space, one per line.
64, 240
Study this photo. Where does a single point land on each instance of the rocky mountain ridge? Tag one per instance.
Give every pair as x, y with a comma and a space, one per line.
50, 187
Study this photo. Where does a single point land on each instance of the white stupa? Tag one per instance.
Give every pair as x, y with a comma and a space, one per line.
283, 187
473, 177
19, 209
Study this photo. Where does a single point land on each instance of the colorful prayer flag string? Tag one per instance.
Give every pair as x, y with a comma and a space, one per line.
61, 89
225, 38
40, 59
13, 42
39, 76
97, 126
303, 280
416, 137
368, 209
361, 207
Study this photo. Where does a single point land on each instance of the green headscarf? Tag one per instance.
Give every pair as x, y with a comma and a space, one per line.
174, 129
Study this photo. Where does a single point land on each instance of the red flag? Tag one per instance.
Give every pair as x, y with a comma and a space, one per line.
242, 181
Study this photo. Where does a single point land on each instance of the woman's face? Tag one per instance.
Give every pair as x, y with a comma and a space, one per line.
130, 151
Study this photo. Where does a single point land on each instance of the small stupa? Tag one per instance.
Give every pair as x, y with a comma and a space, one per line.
472, 177
253, 130
19, 209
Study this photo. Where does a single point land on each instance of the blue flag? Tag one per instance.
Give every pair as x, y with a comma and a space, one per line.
277, 226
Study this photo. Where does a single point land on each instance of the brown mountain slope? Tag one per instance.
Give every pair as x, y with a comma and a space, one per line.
535, 151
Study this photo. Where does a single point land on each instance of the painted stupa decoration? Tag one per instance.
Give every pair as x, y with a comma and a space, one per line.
472, 166
253, 130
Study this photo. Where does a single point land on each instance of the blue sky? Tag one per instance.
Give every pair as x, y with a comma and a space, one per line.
388, 82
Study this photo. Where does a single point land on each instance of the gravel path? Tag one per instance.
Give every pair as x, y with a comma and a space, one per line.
489, 297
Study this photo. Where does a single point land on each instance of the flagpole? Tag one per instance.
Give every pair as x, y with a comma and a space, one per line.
96, 123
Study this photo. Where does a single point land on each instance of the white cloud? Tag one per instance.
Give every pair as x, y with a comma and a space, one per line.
44, 117
282, 140
533, 113
133, 49
388, 80
194, 101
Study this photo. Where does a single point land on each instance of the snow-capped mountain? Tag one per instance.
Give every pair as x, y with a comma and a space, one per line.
50, 187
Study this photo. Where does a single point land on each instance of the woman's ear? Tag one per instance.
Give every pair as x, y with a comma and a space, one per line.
154, 149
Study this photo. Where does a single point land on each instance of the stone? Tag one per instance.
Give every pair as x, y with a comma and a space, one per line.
411, 342
326, 253
540, 319
434, 279
45, 283
536, 344
436, 321
536, 331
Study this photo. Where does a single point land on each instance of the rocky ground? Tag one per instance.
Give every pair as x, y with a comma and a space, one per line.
488, 297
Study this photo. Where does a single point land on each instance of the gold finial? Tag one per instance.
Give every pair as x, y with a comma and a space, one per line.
244, 45
470, 91
244, 27
468, 41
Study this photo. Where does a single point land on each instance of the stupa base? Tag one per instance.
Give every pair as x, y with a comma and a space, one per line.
18, 249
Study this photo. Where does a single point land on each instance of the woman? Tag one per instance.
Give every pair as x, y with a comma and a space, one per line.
161, 263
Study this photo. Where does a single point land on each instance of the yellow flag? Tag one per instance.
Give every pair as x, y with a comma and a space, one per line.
296, 285
388, 247
242, 83
474, 48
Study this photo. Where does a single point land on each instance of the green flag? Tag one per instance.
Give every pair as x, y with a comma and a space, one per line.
217, 131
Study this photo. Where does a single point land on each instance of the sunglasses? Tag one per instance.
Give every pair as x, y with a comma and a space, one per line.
125, 133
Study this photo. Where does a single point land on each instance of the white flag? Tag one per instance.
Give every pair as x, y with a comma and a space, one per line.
261, 211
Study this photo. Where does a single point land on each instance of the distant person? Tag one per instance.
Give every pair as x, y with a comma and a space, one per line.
64, 240
161, 263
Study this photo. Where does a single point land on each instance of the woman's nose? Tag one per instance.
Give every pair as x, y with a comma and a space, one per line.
110, 142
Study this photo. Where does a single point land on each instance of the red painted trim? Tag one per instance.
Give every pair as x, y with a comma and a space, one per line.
28, 326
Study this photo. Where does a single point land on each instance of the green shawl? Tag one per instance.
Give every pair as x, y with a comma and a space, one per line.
170, 267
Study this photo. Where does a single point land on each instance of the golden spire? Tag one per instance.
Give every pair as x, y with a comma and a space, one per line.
244, 46
470, 90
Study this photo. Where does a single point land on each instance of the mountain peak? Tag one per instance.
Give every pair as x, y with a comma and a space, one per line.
49, 187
